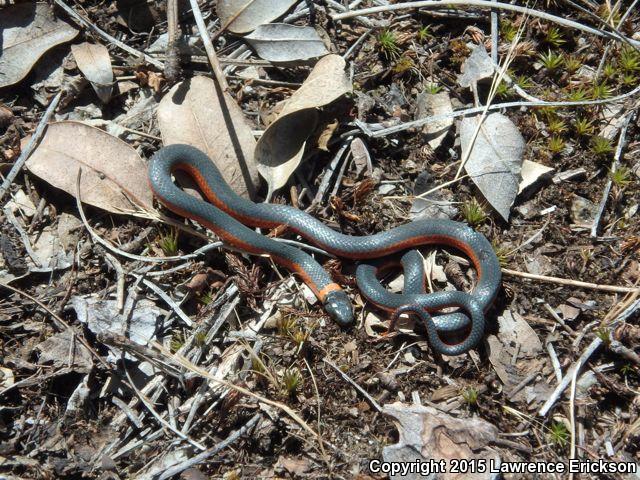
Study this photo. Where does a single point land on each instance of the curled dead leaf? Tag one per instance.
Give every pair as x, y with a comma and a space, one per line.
279, 150
94, 62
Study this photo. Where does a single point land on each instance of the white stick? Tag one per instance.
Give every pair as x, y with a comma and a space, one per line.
35, 138
485, 4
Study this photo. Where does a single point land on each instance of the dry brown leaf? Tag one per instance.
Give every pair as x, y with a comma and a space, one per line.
326, 134
280, 148
515, 353
429, 434
27, 31
62, 349
114, 177
94, 62
434, 104
192, 113
495, 161
242, 16
531, 173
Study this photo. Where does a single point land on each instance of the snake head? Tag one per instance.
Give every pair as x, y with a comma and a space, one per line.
338, 306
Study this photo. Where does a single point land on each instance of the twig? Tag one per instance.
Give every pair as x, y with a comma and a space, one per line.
176, 469
26, 151
571, 283
471, 111
25, 239
127, 411
566, 380
347, 379
355, 44
167, 299
329, 172
631, 307
315, 388
147, 403
528, 379
172, 60
494, 36
614, 166
208, 46
117, 266
364, 21
123, 46
628, 354
484, 4
572, 418
554, 361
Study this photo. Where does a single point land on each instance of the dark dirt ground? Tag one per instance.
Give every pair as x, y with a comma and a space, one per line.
39, 439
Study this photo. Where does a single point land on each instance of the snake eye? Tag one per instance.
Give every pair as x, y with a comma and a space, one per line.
339, 308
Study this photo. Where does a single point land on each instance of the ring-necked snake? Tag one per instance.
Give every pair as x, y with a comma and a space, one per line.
229, 216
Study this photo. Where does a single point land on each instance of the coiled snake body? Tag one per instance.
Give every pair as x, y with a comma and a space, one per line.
229, 217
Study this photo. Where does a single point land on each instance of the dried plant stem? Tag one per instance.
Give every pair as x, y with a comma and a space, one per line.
149, 405
571, 283
26, 151
182, 466
496, 106
208, 46
485, 4
348, 379
614, 166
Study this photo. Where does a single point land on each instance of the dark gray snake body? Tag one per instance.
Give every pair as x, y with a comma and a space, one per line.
229, 215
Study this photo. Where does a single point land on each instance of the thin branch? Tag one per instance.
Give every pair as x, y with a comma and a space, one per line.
566, 380
147, 403
631, 305
484, 4
208, 46
182, 466
26, 151
348, 379
614, 166
571, 283
496, 106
